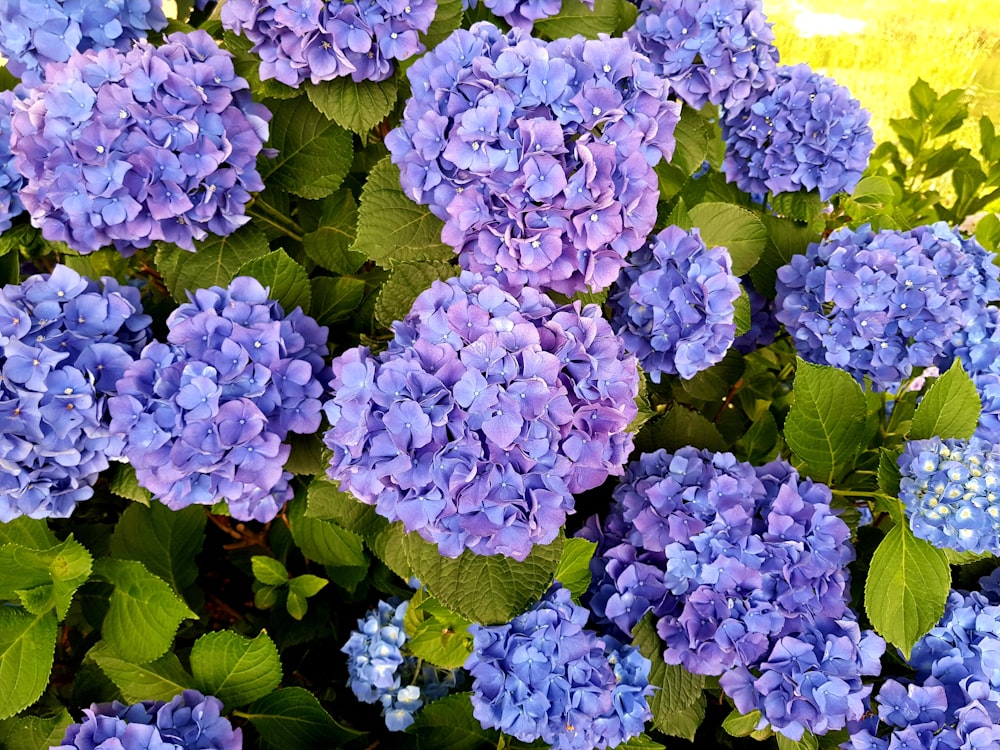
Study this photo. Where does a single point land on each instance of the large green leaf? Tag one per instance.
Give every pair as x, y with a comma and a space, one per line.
950, 409
576, 18
143, 612
680, 427
329, 244
216, 262
489, 589
34, 732
675, 689
573, 570
158, 680
337, 299
448, 724
125, 484
235, 669
391, 227
405, 283
436, 634
165, 541
738, 230
807, 742
325, 501
908, 583
33, 533
323, 541
447, 18
352, 105
287, 281
293, 718
826, 420
27, 649
43, 579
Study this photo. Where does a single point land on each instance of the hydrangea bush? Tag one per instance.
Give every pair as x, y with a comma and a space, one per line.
487, 375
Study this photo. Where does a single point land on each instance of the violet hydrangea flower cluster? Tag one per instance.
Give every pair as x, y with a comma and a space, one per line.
34, 34
673, 304
719, 52
204, 417
951, 492
320, 40
125, 148
190, 721
64, 340
10, 179
380, 672
522, 14
484, 416
804, 132
878, 304
538, 156
545, 676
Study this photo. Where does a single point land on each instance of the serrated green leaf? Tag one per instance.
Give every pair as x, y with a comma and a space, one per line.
27, 650
742, 316
826, 421
104, 262
215, 263
908, 583
329, 244
964, 558
125, 484
307, 585
34, 732
675, 689
308, 454
642, 742
576, 18
889, 474
323, 541
448, 724
741, 725
680, 427
738, 230
165, 541
405, 283
143, 612
950, 409
286, 280
235, 669
43, 579
161, 679
573, 570
293, 718
684, 723
335, 300
760, 440
268, 570
436, 634
808, 742
391, 227
355, 106
786, 238
325, 501
32, 533
486, 589
314, 153
388, 545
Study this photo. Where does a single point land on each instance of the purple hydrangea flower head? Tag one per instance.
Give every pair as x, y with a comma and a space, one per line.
673, 304
804, 132
320, 40
64, 340
204, 417
763, 325
545, 676
34, 34
190, 721
878, 304
719, 52
10, 179
522, 14
484, 416
538, 156
951, 492
125, 148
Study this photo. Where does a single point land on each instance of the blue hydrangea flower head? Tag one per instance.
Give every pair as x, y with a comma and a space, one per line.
380, 672
205, 416
34, 34
538, 156
320, 40
126, 148
64, 340
805, 132
190, 721
545, 676
719, 52
673, 304
483, 417
951, 492
522, 14
878, 304
10, 179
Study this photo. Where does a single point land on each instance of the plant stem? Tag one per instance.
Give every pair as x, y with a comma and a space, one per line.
264, 211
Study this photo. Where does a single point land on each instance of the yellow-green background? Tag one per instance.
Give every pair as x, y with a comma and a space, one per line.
948, 43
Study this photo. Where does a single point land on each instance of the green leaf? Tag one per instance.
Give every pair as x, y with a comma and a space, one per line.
486, 589
125, 484
715, 383
235, 669
34, 732
760, 440
573, 570
165, 541
964, 558
808, 742
307, 585
296, 605
988, 230
143, 611
335, 300
293, 718
675, 689
907, 586
329, 245
680, 427
741, 725
325, 542
642, 742
156, 680
738, 230
447, 18
826, 420
215, 263
801, 206
43, 579
950, 409
286, 280
308, 454
576, 18
448, 724
742, 316
326, 502
358, 107
405, 283
684, 723
27, 650
437, 634
389, 546
266, 597
786, 238
32, 533
391, 227
268, 570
